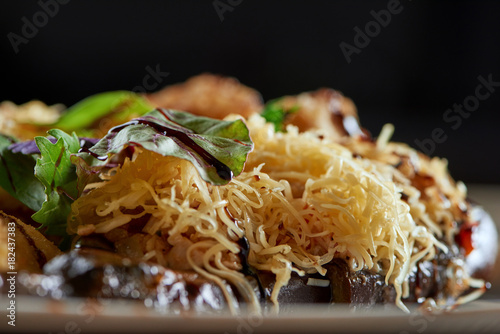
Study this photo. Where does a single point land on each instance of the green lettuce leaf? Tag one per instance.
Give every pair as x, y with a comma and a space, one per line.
16, 175
275, 113
218, 149
58, 175
117, 105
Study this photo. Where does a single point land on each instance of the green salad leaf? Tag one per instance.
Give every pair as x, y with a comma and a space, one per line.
58, 176
49, 173
117, 105
218, 149
17, 175
39, 173
274, 112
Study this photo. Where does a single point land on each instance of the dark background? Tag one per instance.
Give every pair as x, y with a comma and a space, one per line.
426, 59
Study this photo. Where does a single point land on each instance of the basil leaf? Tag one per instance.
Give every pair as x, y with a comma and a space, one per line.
16, 175
57, 174
275, 113
117, 105
218, 149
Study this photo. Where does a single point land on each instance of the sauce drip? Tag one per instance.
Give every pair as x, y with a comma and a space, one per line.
243, 254
247, 270
95, 155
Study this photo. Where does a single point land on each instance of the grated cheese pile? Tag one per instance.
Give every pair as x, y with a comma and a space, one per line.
301, 201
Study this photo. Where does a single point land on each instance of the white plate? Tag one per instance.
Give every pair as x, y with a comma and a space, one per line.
86, 316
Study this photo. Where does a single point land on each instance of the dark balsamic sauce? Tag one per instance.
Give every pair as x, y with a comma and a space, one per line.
86, 143
223, 171
243, 254
97, 156
246, 269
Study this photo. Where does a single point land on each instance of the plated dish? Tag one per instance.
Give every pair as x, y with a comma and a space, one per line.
201, 198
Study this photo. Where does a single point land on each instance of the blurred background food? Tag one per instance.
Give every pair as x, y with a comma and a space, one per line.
423, 58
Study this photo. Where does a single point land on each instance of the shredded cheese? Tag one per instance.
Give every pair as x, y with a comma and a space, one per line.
301, 201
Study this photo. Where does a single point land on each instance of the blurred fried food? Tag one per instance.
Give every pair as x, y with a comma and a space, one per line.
324, 109
209, 95
27, 120
32, 249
